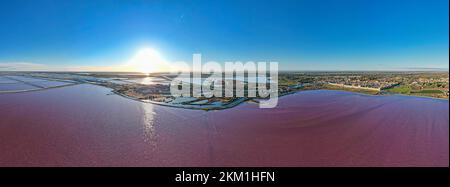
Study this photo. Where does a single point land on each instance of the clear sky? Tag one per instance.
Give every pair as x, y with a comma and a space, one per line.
299, 34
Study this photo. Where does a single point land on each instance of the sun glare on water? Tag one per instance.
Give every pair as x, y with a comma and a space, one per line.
148, 60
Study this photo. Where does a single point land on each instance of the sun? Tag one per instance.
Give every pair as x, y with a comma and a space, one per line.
147, 60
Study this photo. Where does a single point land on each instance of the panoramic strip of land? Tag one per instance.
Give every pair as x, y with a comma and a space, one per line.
155, 88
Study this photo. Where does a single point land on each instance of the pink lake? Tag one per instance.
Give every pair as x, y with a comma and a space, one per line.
84, 126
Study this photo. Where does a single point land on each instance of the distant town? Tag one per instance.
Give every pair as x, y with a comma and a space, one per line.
429, 84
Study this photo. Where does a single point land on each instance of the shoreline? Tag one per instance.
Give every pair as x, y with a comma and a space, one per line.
192, 107
39, 89
245, 99
222, 107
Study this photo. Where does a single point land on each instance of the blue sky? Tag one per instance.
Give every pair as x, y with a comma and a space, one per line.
299, 34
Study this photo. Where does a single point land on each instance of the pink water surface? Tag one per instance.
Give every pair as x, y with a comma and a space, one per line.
84, 126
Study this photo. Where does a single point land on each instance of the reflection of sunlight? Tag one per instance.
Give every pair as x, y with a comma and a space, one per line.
146, 81
149, 123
